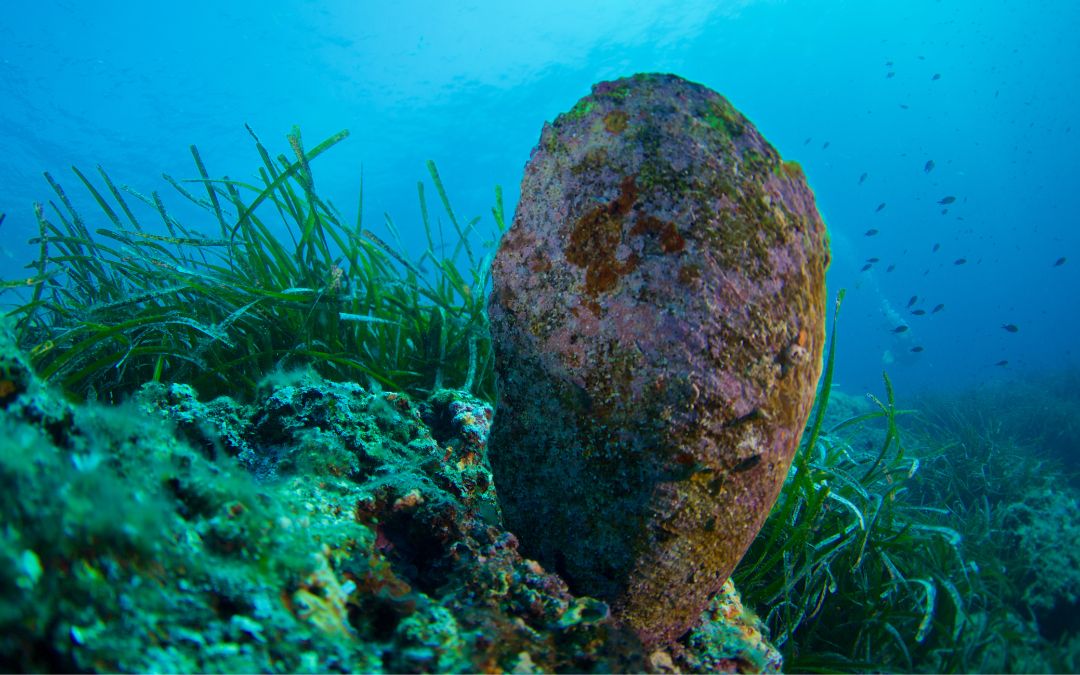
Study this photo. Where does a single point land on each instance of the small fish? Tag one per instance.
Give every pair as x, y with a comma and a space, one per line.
944, 212
900, 329
889, 64
937, 76
869, 233
807, 141
918, 312
937, 308
879, 207
890, 268
873, 259
754, 414
917, 349
825, 145
862, 178
746, 464
913, 300
935, 249
1011, 327
1002, 363
1059, 262
929, 166
866, 267
959, 261
904, 106
949, 199
889, 74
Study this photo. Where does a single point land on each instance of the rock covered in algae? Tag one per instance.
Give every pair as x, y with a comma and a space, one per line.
658, 320
321, 527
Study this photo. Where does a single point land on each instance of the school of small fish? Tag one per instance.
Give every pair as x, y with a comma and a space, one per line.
945, 201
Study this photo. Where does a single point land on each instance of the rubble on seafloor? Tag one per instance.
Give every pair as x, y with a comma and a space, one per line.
325, 527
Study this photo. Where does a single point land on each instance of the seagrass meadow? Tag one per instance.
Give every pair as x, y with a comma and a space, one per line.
120, 302
257, 443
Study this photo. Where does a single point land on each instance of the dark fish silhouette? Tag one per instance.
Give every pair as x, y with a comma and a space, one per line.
959, 261
913, 300
746, 464
889, 74
916, 349
866, 267
935, 249
873, 259
918, 312
862, 178
949, 199
937, 76
929, 166
1011, 327
870, 233
1002, 363
1059, 262
879, 207
900, 329
825, 145
890, 268
944, 211
807, 141
937, 308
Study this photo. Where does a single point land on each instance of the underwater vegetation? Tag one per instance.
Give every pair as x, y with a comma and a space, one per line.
932, 539
115, 304
172, 499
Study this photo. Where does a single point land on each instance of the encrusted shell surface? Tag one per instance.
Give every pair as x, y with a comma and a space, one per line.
658, 320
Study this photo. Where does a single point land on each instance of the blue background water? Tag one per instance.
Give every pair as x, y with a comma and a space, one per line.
130, 85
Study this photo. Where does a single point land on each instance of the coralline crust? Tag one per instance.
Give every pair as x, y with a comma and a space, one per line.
658, 320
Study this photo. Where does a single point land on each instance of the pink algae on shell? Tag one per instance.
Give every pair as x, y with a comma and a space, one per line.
658, 320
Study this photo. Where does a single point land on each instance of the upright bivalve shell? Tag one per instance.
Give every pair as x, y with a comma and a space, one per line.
658, 320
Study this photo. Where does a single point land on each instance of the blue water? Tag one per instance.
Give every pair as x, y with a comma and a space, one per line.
130, 85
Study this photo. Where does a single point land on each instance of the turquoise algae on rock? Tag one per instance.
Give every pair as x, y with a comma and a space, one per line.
657, 314
321, 528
